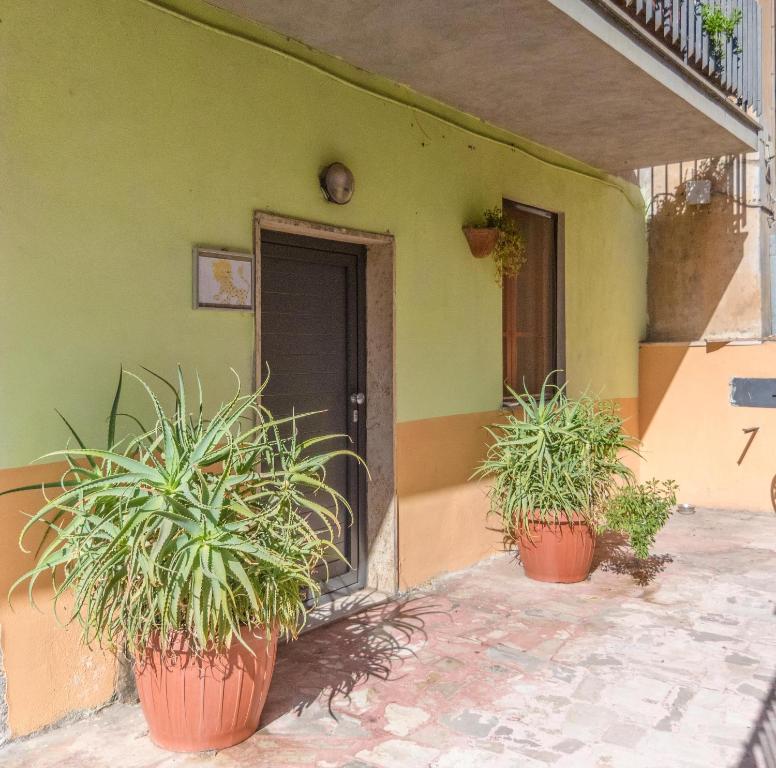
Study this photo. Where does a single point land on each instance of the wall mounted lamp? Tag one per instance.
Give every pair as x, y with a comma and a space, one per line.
337, 183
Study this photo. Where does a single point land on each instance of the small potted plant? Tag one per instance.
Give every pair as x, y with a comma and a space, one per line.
558, 477
190, 544
719, 28
500, 237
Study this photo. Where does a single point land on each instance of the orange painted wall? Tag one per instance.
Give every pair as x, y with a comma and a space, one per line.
692, 434
48, 673
443, 525
441, 514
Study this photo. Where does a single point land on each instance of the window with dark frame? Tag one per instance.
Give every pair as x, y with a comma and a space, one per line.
530, 304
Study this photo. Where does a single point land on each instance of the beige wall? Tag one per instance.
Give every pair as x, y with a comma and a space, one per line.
709, 265
692, 434
709, 281
707, 274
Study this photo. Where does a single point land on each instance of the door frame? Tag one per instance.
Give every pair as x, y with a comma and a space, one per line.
377, 531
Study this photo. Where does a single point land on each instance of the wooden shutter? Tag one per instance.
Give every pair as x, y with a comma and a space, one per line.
530, 303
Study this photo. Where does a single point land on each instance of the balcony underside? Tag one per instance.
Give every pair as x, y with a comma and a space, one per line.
574, 76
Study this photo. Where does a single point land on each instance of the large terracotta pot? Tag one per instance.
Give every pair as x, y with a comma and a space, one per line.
557, 551
208, 701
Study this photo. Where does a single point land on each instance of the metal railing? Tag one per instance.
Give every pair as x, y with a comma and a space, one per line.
735, 68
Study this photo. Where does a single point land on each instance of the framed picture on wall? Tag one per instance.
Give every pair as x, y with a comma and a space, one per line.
223, 279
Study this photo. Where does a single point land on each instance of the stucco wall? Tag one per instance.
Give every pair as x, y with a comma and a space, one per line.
128, 134
135, 134
710, 265
708, 273
692, 434
48, 674
444, 525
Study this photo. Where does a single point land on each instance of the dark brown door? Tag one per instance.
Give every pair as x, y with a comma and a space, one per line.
313, 341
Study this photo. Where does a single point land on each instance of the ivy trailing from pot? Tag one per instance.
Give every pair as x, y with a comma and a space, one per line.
720, 27
191, 543
559, 477
498, 236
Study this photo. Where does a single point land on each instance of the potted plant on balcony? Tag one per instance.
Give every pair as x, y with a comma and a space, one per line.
719, 28
189, 544
500, 237
558, 478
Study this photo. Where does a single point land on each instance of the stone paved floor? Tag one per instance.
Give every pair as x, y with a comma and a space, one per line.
670, 665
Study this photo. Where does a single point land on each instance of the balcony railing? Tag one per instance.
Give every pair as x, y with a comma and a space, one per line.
735, 68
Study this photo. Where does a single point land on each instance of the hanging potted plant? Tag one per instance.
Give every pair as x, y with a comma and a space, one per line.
189, 544
500, 237
558, 478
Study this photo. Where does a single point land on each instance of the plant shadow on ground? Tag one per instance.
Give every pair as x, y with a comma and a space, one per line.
613, 554
760, 751
329, 662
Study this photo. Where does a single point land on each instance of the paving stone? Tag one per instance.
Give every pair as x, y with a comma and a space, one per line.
677, 708
752, 690
542, 755
358, 701
399, 754
509, 654
569, 746
589, 689
475, 758
402, 720
485, 668
623, 734
471, 723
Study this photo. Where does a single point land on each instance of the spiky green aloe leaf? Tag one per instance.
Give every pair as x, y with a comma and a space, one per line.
200, 525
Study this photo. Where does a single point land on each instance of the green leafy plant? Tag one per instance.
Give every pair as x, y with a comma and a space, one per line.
639, 511
556, 459
509, 254
719, 26
195, 525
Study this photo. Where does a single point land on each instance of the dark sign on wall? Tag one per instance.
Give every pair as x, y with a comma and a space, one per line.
753, 393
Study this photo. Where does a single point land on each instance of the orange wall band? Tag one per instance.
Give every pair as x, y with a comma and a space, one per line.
692, 433
443, 523
48, 672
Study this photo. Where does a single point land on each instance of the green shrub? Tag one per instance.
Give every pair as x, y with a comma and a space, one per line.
719, 27
639, 512
195, 524
555, 458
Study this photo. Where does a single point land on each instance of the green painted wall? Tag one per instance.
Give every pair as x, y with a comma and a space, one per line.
128, 134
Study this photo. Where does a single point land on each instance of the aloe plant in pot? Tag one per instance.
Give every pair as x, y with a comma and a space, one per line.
558, 478
190, 544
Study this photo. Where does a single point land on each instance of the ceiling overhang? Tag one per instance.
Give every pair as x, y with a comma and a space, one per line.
572, 75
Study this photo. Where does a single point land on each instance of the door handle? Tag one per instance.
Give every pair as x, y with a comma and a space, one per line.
356, 399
